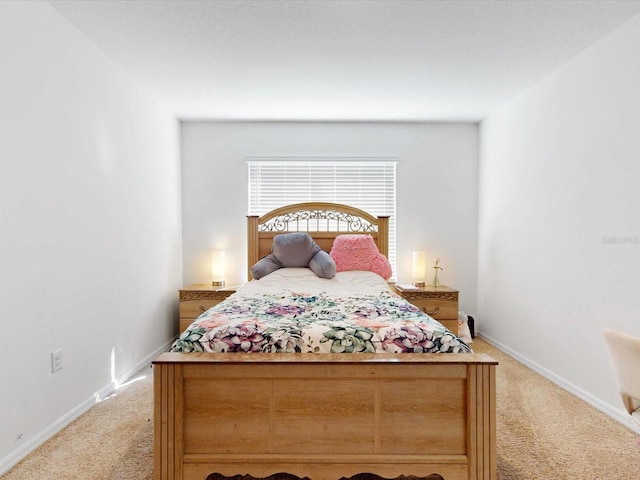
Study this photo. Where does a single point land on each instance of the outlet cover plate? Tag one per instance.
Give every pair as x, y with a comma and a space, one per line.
56, 361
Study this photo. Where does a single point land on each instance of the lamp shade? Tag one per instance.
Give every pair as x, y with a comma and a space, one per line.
419, 266
217, 267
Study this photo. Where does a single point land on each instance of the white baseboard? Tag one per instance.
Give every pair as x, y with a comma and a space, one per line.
31, 444
618, 415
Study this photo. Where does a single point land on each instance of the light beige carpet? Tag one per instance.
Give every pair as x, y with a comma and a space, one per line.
543, 433
113, 440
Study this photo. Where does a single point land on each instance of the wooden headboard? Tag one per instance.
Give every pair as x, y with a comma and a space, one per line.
322, 220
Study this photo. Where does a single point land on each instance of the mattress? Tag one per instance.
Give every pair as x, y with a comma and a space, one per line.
293, 310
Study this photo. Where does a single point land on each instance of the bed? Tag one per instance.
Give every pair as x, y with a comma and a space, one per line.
322, 415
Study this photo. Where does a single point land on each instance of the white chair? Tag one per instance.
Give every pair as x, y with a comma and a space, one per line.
624, 352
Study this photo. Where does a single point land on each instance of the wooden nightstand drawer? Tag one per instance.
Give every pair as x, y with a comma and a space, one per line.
440, 303
440, 309
197, 299
193, 308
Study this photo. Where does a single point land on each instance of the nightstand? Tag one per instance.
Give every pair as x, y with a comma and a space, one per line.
196, 299
439, 302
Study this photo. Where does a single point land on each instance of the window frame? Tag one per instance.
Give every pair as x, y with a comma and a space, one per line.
362, 192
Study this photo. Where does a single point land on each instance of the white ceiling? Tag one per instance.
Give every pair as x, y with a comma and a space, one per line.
342, 60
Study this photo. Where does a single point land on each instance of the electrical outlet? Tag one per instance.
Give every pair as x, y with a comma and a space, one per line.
56, 361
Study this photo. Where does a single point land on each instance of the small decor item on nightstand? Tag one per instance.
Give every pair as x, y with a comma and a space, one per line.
436, 267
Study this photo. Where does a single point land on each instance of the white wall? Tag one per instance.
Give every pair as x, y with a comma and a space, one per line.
559, 219
90, 245
436, 188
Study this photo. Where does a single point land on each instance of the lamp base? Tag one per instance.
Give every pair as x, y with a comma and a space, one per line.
217, 283
419, 284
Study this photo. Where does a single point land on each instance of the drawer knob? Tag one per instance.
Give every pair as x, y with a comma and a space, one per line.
202, 309
431, 312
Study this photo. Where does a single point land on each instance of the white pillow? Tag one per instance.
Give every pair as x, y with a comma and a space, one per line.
463, 328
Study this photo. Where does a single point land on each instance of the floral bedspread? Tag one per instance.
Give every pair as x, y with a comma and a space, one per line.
296, 322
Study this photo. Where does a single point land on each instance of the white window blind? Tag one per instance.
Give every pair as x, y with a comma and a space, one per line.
365, 183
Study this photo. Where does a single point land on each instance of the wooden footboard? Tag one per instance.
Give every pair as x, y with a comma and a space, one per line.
324, 416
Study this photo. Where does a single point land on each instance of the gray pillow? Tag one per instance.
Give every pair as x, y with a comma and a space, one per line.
265, 266
323, 265
294, 249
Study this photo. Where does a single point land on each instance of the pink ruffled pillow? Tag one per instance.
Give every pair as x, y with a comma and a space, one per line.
359, 252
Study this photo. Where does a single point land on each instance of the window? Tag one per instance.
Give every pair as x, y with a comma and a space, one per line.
365, 183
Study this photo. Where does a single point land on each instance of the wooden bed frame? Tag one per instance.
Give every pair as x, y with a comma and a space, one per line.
323, 416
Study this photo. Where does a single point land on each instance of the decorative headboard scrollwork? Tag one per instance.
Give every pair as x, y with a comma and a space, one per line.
315, 220
324, 221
